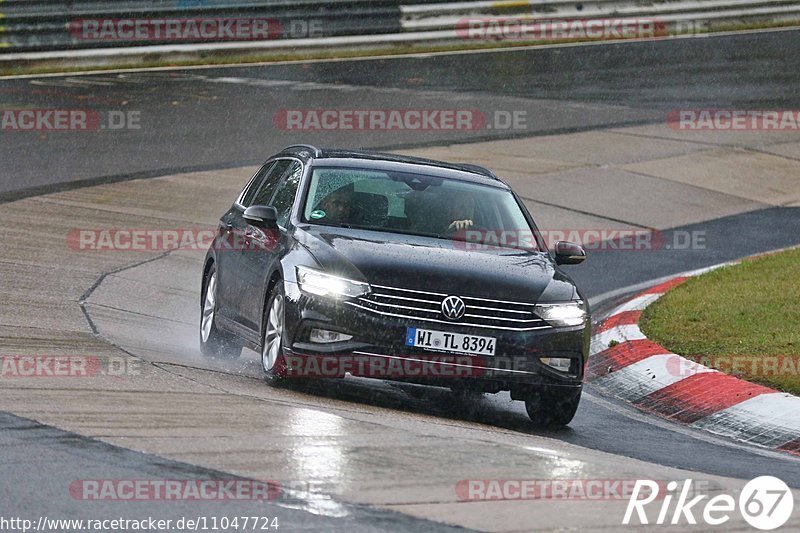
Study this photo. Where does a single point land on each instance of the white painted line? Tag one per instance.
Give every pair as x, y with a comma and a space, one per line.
779, 408
644, 377
768, 419
627, 332
638, 287
639, 303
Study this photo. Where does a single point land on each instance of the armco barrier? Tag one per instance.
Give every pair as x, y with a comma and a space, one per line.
30, 25
33, 30
712, 13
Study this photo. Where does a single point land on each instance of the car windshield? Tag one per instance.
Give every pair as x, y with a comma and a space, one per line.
417, 204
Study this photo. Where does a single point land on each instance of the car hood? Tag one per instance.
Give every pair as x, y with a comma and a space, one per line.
436, 265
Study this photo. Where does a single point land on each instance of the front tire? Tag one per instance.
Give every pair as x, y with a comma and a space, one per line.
213, 341
273, 341
552, 409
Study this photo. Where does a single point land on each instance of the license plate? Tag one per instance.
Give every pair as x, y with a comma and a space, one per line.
450, 342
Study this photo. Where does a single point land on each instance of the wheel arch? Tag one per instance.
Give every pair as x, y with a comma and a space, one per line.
210, 262
274, 278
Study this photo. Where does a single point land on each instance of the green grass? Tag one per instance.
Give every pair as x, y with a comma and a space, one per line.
750, 309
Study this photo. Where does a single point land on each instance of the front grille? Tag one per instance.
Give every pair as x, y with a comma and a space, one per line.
427, 307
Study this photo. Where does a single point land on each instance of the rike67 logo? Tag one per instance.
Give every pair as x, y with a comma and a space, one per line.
766, 503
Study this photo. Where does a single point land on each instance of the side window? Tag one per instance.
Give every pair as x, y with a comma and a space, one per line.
270, 183
252, 187
284, 198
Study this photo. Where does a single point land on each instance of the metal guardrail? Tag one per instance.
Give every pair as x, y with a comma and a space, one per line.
45, 26
672, 17
432, 16
29, 25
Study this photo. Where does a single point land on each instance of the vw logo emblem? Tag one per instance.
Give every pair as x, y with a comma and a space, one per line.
453, 308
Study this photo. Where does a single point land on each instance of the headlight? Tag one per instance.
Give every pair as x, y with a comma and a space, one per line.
321, 284
566, 314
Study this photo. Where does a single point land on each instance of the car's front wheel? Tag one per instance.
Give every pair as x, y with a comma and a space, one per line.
213, 341
274, 333
552, 408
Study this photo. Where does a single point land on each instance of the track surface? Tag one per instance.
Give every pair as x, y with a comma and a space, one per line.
212, 118
42, 460
223, 117
600, 423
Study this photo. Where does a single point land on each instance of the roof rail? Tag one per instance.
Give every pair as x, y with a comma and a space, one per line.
463, 167
477, 169
316, 151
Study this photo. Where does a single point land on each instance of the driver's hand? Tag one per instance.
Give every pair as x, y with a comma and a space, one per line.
458, 225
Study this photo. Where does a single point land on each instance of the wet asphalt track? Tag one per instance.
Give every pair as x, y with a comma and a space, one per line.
223, 117
211, 118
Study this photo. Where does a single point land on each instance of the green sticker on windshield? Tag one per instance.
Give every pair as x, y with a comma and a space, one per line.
317, 214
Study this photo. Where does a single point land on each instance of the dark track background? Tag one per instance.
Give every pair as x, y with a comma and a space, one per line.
218, 117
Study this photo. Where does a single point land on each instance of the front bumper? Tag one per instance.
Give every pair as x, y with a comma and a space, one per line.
378, 350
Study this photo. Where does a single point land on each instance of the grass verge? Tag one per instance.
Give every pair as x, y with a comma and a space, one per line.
743, 319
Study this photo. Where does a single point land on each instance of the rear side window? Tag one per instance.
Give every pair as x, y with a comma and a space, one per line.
252, 187
284, 197
269, 183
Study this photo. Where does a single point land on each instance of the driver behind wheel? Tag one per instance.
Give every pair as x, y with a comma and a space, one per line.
461, 212
338, 205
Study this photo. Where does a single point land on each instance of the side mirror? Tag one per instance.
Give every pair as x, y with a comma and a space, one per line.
569, 253
261, 216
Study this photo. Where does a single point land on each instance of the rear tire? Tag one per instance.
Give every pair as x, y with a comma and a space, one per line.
552, 409
213, 341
